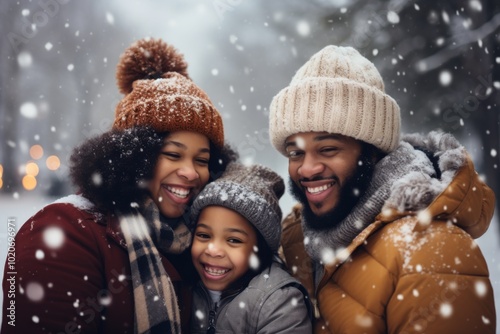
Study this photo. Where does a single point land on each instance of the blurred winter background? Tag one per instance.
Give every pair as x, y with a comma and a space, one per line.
440, 61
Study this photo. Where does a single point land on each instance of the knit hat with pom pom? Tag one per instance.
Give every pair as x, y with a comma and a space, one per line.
159, 93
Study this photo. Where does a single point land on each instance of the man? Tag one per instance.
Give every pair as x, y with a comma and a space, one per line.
376, 238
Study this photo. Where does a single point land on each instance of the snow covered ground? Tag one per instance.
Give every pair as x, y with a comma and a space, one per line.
25, 205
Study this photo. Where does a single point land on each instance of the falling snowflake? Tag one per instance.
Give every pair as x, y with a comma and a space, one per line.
303, 28
363, 321
327, 256
96, 179
39, 254
35, 291
254, 261
110, 18
301, 143
393, 17
53, 237
105, 300
35, 319
48, 46
446, 310
445, 78
200, 315
481, 288
424, 217
24, 59
29, 110
242, 305
476, 5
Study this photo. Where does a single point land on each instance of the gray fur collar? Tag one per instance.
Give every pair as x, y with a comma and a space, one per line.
403, 180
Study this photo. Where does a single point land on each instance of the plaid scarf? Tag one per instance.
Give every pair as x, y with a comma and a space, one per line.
155, 301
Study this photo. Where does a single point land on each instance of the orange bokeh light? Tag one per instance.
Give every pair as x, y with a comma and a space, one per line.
29, 182
32, 169
36, 152
53, 162
1, 183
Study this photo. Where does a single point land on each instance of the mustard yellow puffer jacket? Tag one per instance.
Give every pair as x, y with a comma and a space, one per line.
407, 272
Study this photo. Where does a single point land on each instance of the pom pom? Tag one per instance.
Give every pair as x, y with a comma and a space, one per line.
148, 59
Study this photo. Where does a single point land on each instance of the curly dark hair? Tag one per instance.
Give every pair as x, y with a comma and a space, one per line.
112, 169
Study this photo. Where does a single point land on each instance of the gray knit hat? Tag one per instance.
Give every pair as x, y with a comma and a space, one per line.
336, 91
253, 192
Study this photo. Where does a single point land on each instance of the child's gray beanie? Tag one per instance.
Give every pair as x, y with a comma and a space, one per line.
253, 192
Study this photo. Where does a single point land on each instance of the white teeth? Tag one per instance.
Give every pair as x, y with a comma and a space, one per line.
179, 192
317, 190
216, 272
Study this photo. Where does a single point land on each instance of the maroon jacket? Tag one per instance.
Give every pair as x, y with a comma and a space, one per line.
82, 286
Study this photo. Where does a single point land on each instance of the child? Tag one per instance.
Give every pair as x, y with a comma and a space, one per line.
242, 288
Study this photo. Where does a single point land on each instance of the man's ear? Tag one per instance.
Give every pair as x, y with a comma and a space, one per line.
373, 153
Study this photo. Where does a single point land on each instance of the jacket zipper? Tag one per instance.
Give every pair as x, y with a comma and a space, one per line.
317, 315
211, 320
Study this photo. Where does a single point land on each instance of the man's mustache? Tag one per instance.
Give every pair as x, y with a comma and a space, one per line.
319, 178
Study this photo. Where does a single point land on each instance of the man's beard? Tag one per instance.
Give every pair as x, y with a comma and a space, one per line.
350, 193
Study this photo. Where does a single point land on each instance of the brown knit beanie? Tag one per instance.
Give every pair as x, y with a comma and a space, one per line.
159, 94
253, 192
336, 91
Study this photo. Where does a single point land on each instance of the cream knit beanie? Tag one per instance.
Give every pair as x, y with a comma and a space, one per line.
336, 91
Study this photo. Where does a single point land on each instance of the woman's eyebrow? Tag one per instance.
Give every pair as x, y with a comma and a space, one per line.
184, 147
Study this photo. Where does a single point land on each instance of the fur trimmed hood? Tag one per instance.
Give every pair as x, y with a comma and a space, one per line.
443, 158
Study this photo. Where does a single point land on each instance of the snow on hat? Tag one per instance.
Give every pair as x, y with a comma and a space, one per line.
253, 192
336, 91
159, 93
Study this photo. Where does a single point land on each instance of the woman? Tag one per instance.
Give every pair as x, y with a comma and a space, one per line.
112, 258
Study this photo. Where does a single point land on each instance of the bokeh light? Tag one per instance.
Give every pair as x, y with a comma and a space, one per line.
36, 152
29, 182
53, 162
32, 169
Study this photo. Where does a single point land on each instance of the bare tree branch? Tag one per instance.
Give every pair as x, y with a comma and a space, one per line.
437, 59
